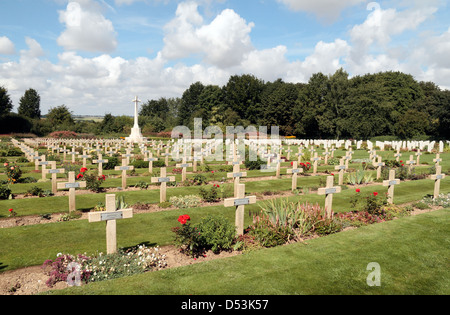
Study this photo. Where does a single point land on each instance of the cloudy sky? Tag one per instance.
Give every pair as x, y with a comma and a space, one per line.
94, 56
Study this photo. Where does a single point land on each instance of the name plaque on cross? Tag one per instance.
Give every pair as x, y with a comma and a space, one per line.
118, 215
164, 180
330, 191
72, 185
240, 202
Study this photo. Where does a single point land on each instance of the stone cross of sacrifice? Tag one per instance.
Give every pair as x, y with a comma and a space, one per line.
437, 178
163, 179
391, 184
110, 216
239, 202
328, 191
71, 185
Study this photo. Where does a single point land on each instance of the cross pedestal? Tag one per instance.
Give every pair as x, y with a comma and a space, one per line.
328, 191
437, 178
391, 184
110, 216
239, 202
71, 185
163, 179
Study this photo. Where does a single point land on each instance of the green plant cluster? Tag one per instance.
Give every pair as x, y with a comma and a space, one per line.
183, 202
101, 267
212, 232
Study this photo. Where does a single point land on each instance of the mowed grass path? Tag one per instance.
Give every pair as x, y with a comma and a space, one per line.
412, 253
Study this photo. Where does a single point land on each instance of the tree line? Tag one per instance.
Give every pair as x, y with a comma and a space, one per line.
327, 106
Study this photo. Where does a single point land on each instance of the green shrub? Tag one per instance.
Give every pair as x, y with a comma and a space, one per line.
35, 191
210, 194
254, 165
113, 161
216, 233
94, 182
183, 202
142, 185
370, 202
268, 234
5, 192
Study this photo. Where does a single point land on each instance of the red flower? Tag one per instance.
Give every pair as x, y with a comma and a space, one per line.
183, 219
292, 163
332, 174
83, 169
403, 164
375, 194
218, 186
79, 176
358, 190
10, 210
401, 161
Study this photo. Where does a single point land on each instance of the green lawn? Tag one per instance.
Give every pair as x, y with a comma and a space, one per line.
412, 253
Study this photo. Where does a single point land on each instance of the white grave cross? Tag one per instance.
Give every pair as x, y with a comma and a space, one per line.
111, 215
391, 184
71, 185
328, 191
239, 202
437, 178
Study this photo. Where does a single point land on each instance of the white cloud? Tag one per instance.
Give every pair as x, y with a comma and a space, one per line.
222, 43
324, 9
372, 48
86, 28
6, 46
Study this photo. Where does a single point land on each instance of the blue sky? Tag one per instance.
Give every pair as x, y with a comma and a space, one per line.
95, 55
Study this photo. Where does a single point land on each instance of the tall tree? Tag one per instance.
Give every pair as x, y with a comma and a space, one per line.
29, 104
5, 101
243, 95
189, 103
60, 116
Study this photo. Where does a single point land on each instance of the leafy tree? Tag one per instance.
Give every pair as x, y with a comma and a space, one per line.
60, 117
29, 104
243, 95
5, 101
189, 103
278, 101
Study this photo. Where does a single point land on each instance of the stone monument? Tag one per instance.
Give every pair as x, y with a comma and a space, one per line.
136, 135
